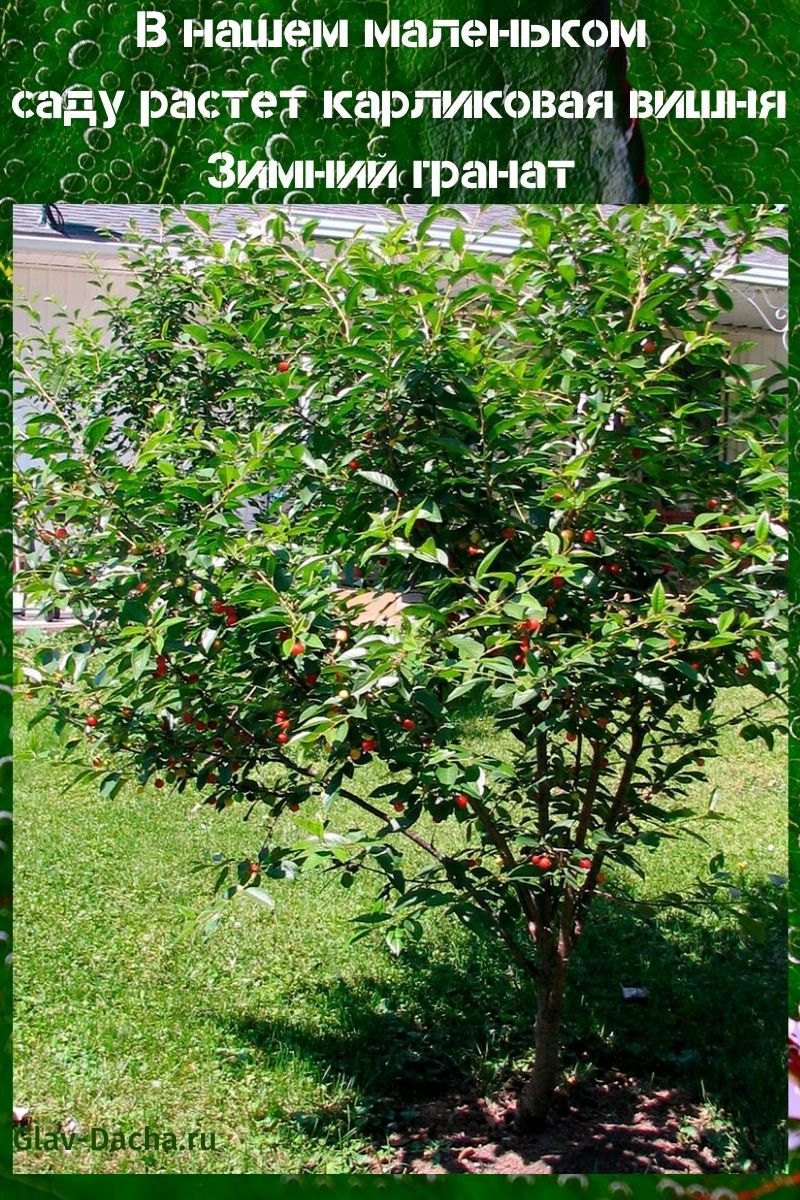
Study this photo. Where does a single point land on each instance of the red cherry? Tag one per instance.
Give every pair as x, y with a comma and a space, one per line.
91, 722
536, 859
508, 533
532, 625
695, 666
141, 587
61, 533
354, 464
408, 723
545, 862
159, 783
572, 737
97, 762
280, 715
294, 807
252, 868
736, 543
311, 679
218, 606
283, 738
283, 366
399, 806
585, 864
368, 745
461, 800
589, 536
648, 345
742, 670
297, 649
557, 581
474, 551
713, 502
602, 722
187, 718
754, 656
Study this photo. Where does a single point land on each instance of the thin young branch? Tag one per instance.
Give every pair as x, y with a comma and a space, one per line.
520, 958
589, 795
584, 897
542, 797
408, 833
500, 843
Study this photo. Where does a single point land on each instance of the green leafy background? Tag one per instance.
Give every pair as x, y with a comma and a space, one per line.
693, 43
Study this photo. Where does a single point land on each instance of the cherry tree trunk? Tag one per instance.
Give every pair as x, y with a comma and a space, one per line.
537, 1094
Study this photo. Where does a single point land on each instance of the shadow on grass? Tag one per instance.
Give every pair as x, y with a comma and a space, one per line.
712, 1031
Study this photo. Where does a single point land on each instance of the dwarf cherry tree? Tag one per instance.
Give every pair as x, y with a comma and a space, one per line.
555, 452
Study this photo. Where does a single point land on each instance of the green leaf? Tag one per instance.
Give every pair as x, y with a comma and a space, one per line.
658, 599
207, 638
698, 540
396, 939
95, 432
259, 895
140, 661
726, 620
488, 559
652, 683
111, 785
762, 528
378, 478
542, 231
430, 552
669, 352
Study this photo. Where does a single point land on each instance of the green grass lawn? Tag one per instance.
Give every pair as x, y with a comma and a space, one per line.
298, 1049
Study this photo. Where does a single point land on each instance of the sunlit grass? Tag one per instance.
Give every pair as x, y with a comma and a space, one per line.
296, 1047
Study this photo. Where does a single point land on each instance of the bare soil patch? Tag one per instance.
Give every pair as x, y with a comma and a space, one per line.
613, 1124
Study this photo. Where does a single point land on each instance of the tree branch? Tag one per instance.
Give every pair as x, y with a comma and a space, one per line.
631, 759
